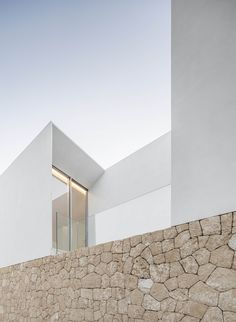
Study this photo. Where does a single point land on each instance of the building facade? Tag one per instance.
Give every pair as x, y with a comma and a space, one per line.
54, 197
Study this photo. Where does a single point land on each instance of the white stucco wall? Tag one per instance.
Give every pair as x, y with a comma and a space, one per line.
132, 196
203, 108
25, 203
143, 214
72, 160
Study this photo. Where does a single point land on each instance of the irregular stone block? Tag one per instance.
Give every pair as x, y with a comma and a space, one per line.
172, 256
187, 280
136, 297
227, 301
226, 223
151, 316
135, 240
229, 316
189, 264
88, 315
101, 294
170, 232
112, 306
145, 285
141, 268
119, 293
222, 257
155, 248
213, 314
232, 242
168, 305
135, 311
172, 283
77, 314
127, 268
126, 245
147, 255
182, 238
147, 239
222, 279
203, 293
159, 259
171, 317
91, 280
182, 227
123, 306
176, 269
202, 256
159, 291
131, 282
137, 250
179, 295
117, 280
202, 240
106, 257
158, 235
195, 228
101, 268
205, 271
211, 226
105, 281
167, 245
189, 247
149, 303
108, 318
160, 273
111, 268
117, 247
193, 309
215, 241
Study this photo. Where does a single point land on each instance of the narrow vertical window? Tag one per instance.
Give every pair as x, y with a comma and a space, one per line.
69, 206
78, 215
60, 211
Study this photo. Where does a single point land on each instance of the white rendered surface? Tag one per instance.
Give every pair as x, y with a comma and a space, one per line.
144, 214
25, 204
203, 108
144, 171
72, 160
133, 196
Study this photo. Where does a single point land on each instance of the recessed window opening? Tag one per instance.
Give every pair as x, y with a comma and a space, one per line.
69, 208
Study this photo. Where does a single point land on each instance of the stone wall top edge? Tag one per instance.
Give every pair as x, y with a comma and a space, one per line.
113, 246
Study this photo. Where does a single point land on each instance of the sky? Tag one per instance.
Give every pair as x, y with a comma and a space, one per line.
99, 69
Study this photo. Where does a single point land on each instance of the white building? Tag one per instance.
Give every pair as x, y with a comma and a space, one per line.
54, 197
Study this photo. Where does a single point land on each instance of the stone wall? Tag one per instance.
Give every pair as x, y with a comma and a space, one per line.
185, 273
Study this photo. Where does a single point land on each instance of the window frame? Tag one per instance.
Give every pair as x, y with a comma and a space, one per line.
60, 175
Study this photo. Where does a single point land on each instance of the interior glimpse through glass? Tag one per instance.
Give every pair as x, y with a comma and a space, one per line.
78, 212
69, 206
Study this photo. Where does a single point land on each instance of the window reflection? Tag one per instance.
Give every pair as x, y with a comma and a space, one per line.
78, 211
69, 203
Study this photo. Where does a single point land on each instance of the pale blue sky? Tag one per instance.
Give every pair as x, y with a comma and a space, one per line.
99, 69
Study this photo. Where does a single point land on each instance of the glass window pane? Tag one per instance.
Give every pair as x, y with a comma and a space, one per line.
60, 211
78, 215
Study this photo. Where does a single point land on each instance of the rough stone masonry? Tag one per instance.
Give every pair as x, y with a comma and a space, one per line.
185, 273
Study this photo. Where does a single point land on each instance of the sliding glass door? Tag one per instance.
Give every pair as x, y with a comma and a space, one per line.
78, 215
69, 206
60, 211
